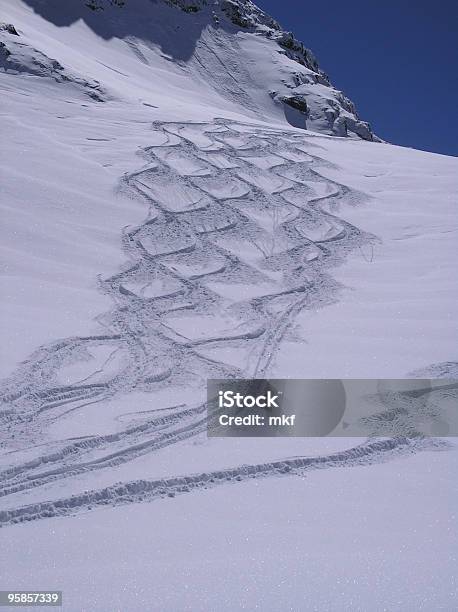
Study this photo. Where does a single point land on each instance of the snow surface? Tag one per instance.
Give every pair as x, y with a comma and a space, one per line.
163, 223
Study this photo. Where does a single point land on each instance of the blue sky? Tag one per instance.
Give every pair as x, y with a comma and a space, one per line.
396, 59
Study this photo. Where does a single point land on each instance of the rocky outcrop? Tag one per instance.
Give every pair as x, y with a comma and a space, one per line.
8, 27
297, 102
100, 5
19, 58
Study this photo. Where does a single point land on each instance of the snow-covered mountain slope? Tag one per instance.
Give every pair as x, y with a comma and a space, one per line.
231, 53
167, 218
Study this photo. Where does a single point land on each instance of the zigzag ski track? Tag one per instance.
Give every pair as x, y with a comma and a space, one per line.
239, 239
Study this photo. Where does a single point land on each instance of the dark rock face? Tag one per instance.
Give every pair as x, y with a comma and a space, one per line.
188, 6
99, 5
8, 27
297, 52
233, 12
297, 102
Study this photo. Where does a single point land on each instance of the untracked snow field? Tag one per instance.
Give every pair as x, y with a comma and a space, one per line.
173, 232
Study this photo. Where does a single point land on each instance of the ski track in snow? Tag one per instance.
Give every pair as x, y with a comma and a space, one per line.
239, 239
146, 490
